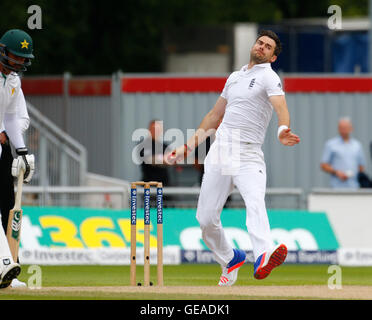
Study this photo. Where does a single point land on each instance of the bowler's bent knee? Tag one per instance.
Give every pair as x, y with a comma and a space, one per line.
207, 220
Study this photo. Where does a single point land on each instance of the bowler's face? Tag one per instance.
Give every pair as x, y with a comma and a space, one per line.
263, 50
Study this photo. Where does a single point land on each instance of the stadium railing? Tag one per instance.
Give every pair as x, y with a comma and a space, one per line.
60, 160
117, 197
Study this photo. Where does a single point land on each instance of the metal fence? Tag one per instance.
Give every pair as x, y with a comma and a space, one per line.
118, 197
285, 198
88, 197
60, 160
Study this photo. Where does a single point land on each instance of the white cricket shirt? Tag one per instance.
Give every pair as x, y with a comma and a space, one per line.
248, 107
11, 96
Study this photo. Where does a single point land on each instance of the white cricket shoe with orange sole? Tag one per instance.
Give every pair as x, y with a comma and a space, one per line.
230, 272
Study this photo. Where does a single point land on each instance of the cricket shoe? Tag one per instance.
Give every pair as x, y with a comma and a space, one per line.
10, 272
230, 272
17, 284
269, 260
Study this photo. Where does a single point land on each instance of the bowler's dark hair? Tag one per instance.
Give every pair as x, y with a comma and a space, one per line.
274, 36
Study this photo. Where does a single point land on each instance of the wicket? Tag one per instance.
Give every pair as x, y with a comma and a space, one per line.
159, 208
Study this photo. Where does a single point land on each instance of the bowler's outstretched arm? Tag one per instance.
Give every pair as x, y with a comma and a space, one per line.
207, 127
211, 121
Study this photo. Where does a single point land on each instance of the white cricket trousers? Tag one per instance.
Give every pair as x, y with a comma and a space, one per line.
225, 168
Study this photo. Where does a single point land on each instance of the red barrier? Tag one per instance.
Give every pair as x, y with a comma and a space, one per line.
159, 84
323, 85
77, 87
173, 84
42, 86
90, 87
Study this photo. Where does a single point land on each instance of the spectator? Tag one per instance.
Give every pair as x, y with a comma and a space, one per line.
343, 157
153, 148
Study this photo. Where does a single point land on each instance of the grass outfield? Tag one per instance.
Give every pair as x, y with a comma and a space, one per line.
104, 282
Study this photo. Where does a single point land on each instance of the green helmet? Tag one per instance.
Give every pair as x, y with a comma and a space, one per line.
18, 43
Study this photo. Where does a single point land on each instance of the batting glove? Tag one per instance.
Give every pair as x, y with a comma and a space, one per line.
25, 162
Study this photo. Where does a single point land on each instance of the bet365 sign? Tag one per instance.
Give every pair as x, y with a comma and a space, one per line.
76, 228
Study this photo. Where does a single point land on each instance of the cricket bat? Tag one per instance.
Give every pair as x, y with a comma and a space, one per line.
13, 233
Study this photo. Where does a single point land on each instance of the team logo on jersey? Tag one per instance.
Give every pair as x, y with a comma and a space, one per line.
13, 90
252, 82
279, 85
25, 44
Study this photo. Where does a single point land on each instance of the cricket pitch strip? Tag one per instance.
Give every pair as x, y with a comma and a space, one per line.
201, 292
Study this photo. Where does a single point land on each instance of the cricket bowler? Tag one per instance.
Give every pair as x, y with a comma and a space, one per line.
241, 116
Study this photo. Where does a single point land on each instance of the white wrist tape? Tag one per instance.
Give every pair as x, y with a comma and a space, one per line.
281, 128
